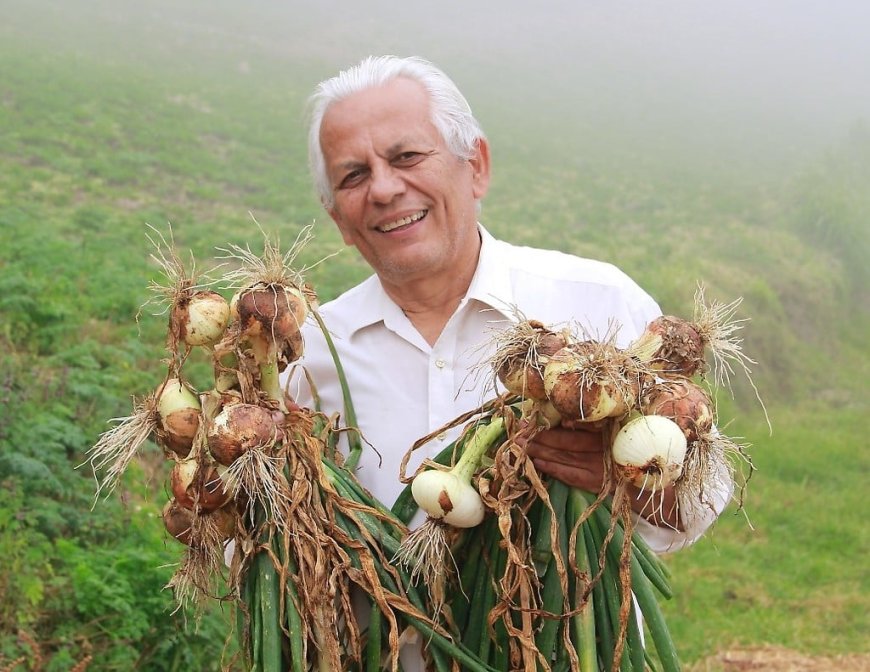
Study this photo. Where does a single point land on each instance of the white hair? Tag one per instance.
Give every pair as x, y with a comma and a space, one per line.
451, 113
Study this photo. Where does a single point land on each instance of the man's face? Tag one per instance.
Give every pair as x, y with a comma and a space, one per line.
400, 196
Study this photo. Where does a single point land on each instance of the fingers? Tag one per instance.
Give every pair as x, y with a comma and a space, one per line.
560, 455
566, 440
573, 456
576, 477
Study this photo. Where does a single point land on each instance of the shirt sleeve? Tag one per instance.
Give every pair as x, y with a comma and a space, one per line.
698, 511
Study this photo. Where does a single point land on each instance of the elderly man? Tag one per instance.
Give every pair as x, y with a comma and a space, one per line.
401, 164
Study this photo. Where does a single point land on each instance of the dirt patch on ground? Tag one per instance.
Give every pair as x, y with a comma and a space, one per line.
776, 659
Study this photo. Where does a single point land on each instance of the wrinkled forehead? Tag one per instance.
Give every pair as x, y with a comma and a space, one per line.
381, 116
391, 98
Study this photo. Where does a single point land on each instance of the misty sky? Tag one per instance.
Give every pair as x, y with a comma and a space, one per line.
806, 63
725, 68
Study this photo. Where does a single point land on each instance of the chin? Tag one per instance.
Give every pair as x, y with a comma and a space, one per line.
406, 267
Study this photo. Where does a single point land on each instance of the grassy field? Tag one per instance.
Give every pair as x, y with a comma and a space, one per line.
113, 120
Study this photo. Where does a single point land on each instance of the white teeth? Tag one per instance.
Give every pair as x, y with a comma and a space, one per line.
404, 221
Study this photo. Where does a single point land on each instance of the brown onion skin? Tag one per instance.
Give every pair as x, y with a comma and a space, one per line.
210, 495
270, 312
178, 429
684, 402
682, 349
291, 349
529, 381
225, 519
178, 521
578, 400
238, 428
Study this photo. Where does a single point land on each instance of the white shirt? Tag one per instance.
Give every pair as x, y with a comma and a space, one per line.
403, 389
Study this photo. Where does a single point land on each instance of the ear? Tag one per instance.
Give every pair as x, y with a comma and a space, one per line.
480, 168
339, 222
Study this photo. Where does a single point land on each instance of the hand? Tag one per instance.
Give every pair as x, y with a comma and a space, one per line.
574, 456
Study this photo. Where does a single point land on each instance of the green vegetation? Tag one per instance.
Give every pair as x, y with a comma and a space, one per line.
177, 127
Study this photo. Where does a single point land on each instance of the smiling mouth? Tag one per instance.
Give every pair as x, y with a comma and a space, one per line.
405, 221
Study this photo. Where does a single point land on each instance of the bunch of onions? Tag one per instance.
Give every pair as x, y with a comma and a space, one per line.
550, 554
252, 466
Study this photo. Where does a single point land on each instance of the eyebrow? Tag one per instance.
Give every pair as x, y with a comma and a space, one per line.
392, 150
349, 165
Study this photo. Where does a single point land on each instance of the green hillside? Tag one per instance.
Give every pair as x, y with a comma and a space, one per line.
111, 120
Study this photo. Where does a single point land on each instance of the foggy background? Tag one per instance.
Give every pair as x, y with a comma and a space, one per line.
723, 82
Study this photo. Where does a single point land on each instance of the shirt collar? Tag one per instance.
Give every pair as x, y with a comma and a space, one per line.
379, 307
490, 286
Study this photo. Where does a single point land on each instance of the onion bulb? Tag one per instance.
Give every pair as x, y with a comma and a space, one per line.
179, 411
684, 402
448, 495
672, 346
199, 318
520, 358
186, 527
444, 496
649, 451
191, 487
178, 521
270, 317
590, 381
237, 429
678, 347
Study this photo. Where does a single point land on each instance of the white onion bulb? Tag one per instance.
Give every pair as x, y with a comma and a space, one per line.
202, 318
179, 411
445, 496
649, 451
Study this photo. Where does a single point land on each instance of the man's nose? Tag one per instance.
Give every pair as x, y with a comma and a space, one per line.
386, 184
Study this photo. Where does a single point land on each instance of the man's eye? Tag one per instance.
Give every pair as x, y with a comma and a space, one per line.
408, 158
351, 179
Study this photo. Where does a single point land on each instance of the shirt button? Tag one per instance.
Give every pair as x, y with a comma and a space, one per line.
440, 363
